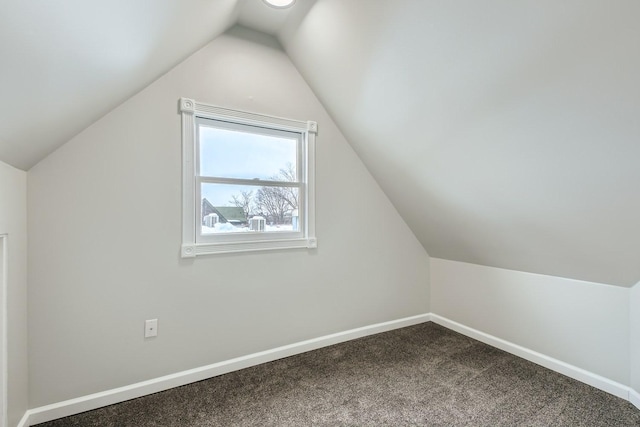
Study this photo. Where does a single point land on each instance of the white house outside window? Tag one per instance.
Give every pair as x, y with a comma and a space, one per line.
248, 181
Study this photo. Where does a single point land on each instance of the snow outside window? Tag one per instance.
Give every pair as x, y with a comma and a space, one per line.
248, 181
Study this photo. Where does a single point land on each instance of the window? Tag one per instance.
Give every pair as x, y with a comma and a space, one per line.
248, 181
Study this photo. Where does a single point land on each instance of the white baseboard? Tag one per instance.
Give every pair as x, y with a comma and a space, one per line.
97, 400
24, 421
594, 380
121, 394
634, 398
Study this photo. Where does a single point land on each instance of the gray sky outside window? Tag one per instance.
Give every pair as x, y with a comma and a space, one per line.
235, 154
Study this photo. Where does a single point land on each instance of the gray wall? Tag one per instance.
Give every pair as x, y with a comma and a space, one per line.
104, 218
581, 323
634, 304
13, 222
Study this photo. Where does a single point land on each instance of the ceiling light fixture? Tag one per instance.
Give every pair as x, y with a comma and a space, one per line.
280, 4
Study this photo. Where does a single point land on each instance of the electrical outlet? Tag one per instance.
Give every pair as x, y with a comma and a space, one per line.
150, 328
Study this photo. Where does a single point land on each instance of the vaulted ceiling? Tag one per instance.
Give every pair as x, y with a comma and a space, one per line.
505, 133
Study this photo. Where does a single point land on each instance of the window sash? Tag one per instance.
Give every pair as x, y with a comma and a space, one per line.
263, 130
251, 235
242, 181
192, 112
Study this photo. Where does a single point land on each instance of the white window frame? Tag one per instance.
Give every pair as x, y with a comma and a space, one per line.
193, 243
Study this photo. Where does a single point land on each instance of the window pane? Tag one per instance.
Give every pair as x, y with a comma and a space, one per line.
228, 208
231, 153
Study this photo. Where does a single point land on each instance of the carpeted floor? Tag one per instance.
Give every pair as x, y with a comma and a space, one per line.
423, 375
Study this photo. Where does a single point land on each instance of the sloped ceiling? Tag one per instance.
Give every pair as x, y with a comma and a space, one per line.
64, 64
506, 133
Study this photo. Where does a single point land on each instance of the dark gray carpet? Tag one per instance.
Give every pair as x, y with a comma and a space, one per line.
424, 375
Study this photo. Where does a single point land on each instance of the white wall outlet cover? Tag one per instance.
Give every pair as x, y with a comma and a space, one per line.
150, 328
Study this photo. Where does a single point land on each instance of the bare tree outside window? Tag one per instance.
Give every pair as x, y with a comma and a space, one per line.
276, 204
244, 201
290, 194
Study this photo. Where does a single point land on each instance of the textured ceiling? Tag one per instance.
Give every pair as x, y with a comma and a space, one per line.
505, 133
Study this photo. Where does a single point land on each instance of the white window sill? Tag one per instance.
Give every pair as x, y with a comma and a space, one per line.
192, 251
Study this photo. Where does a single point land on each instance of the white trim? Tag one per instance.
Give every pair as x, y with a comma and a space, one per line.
97, 400
255, 119
188, 174
192, 250
4, 369
594, 380
24, 421
121, 394
193, 242
634, 398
